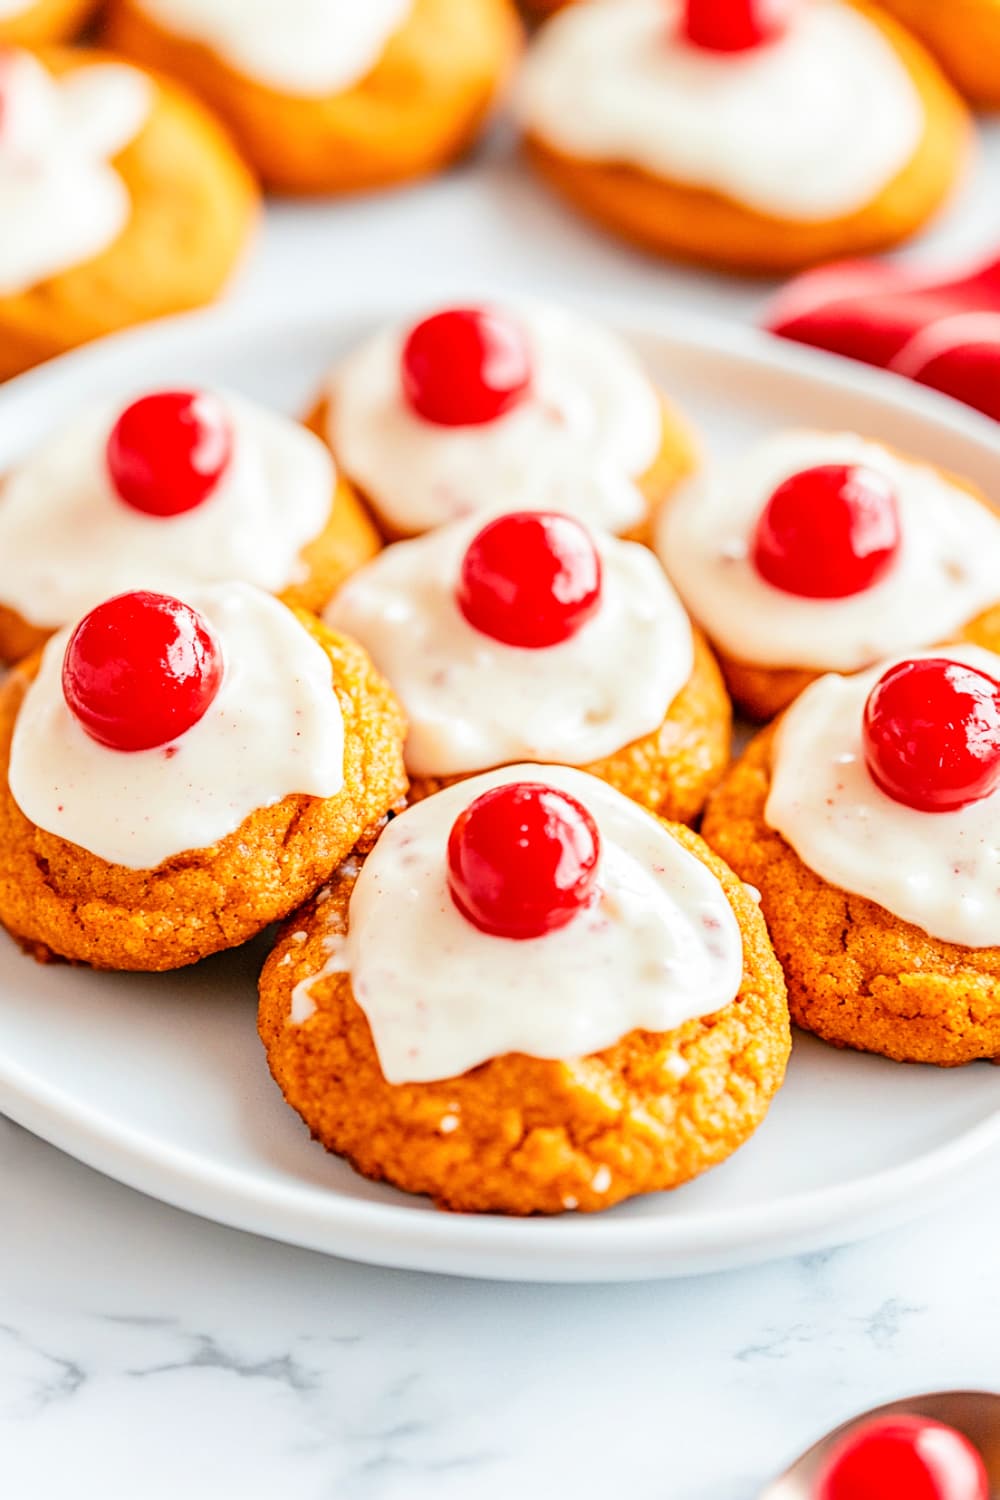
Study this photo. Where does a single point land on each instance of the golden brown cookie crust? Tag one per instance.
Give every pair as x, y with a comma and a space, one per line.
678, 457
964, 36
194, 205
857, 975
533, 1136
46, 21
422, 105
58, 900
670, 771
346, 543
707, 228
763, 692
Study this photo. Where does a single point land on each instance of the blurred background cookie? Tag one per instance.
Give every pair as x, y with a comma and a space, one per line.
755, 137
332, 96
30, 23
121, 198
964, 36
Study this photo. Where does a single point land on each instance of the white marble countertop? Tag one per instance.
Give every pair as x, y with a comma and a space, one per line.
146, 1355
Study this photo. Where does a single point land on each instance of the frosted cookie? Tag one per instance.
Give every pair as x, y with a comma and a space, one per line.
329, 96
819, 552
171, 491
121, 200
532, 996
756, 136
175, 776
33, 23
964, 36
869, 820
478, 410
534, 639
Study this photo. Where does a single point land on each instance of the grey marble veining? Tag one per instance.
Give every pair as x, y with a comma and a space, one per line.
144, 1352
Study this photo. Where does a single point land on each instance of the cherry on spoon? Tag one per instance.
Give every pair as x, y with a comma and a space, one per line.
973, 1414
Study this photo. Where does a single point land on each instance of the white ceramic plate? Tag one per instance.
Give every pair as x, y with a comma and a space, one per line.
160, 1081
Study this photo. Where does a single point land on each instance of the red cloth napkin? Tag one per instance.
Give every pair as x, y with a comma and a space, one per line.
942, 333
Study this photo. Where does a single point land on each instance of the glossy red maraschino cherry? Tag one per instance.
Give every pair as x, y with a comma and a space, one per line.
828, 532
522, 860
735, 25
904, 1458
465, 366
140, 670
531, 579
168, 451
932, 734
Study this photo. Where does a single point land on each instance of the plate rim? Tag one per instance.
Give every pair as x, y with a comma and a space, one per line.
393, 1234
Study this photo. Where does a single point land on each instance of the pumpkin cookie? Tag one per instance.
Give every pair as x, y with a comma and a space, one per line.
869, 819
964, 36
333, 96
531, 997
475, 410
755, 137
534, 639
168, 492
178, 775
135, 205
820, 551
33, 23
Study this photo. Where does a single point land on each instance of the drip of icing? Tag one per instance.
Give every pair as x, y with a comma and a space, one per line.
302, 1004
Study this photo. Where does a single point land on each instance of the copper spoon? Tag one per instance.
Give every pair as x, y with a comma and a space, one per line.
974, 1413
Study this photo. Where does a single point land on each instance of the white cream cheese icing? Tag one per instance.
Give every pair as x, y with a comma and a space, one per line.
274, 729
61, 199
660, 946
309, 48
67, 540
588, 429
939, 871
946, 572
474, 702
809, 127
